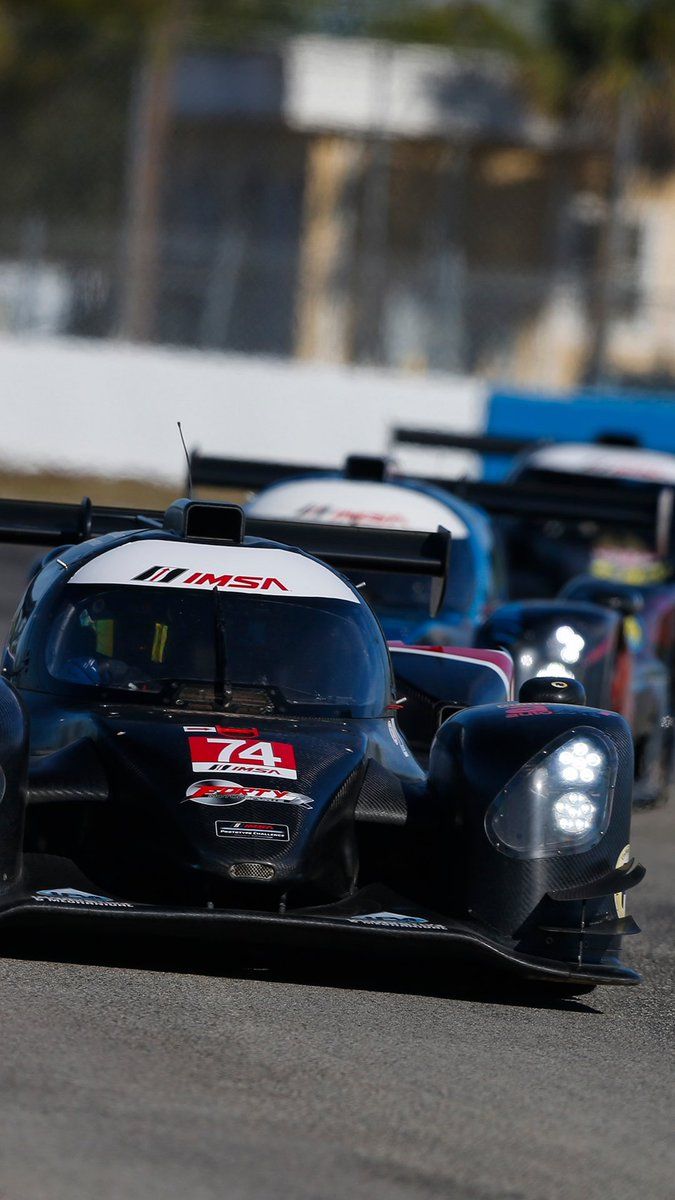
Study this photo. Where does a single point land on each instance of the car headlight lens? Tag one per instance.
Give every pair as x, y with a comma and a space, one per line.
570, 643
560, 801
560, 656
556, 670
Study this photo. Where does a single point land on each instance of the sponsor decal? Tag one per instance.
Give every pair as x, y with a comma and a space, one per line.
528, 710
255, 830
396, 737
238, 731
242, 756
350, 516
395, 921
638, 567
221, 794
612, 461
243, 583
73, 896
199, 566
357, 502
620, 897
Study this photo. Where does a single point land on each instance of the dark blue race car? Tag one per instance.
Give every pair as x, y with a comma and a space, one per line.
201, 733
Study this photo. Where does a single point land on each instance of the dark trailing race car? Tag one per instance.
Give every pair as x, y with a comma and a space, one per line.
199, 734
591, 525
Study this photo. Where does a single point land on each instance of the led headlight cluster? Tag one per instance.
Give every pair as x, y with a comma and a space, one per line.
574, 813
560, 801
565, 648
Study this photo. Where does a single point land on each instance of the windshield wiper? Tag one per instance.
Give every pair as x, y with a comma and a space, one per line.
221, 693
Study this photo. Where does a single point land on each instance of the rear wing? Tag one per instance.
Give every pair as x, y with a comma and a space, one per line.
405, 552
246, 475
647, 509
46, 523
479, 443
494, 443
571, 499
252, 475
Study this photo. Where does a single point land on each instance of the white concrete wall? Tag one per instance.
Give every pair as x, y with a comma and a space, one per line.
109, 408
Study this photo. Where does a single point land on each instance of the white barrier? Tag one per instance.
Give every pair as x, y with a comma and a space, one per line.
110, 408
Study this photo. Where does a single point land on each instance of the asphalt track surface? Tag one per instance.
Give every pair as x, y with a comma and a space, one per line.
130, 1072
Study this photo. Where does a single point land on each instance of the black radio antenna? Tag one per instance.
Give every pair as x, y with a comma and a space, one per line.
187, 459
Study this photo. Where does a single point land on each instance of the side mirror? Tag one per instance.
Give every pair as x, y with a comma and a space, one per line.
620, 597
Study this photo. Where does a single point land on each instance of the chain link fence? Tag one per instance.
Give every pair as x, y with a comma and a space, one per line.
231, 290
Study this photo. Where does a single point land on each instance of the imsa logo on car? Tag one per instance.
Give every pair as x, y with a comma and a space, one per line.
243, 583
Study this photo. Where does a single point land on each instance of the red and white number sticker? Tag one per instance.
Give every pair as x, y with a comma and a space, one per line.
242, 756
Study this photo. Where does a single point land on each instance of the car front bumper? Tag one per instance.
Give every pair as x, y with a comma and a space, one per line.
340, 927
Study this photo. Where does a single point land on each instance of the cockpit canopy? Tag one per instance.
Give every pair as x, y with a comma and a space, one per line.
212, 639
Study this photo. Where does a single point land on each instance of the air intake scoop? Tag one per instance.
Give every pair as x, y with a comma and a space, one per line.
204, 521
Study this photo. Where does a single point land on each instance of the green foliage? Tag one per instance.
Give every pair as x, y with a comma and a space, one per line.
466, 25
66, 75
574, 55
67, 68
606, 47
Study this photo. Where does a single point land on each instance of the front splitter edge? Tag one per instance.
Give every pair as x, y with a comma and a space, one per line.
457, 940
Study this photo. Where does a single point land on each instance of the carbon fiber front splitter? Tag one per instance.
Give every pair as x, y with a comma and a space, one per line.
384, 930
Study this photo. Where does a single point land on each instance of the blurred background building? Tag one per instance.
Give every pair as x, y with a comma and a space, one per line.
483, 188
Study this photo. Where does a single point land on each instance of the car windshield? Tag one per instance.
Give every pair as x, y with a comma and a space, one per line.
394, 594
273, 655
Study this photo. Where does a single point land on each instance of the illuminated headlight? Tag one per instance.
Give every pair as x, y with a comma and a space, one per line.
570, 643
580, 763
560, 801
574, 812
555, 670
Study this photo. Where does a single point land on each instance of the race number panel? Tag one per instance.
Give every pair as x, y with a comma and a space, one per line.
242, 756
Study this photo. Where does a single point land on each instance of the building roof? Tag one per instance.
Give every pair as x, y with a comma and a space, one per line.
363, 86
